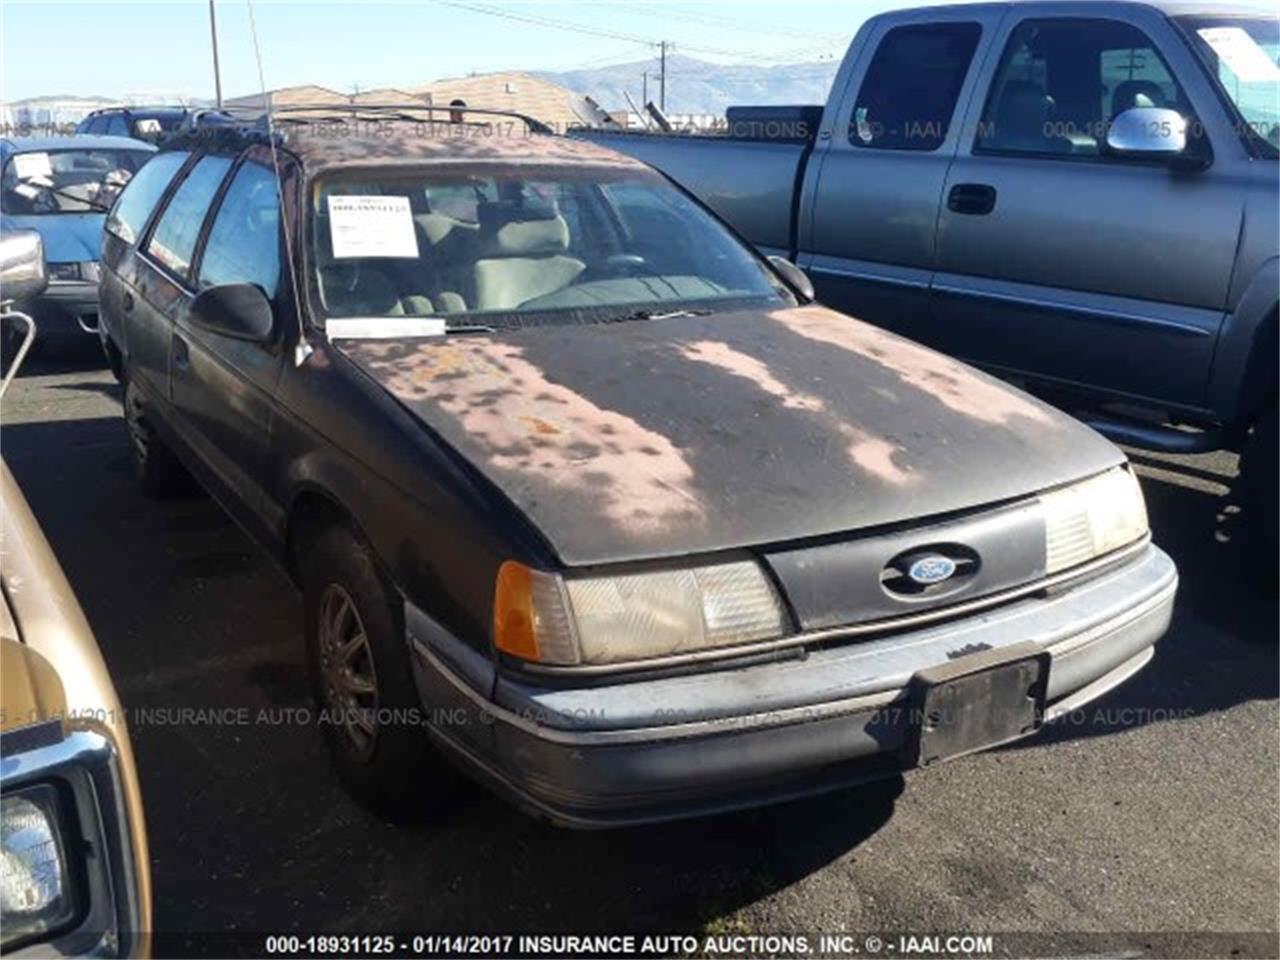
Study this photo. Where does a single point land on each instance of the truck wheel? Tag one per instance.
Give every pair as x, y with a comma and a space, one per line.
362, 681
1260, 489
159, 472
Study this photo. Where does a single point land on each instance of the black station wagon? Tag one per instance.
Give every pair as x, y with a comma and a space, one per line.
585, 495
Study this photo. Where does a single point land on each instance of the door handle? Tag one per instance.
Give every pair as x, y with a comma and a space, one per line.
128, 302
181, 353
975, 199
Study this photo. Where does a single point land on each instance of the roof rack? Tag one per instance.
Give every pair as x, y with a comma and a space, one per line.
288, 113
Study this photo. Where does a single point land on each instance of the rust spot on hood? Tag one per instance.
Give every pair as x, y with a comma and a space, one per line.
527, 424
951, 383
875, 455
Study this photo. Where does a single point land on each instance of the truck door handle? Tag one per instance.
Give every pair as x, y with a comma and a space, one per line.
128, 302
976, 199
181, 353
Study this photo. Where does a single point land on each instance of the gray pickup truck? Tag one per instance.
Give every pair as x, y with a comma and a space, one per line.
1079, 196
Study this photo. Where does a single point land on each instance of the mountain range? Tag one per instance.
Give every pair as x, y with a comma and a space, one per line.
695, 86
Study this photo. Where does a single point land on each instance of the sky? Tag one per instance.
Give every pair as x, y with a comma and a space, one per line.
160, 50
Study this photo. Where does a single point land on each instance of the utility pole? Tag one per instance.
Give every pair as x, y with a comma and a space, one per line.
662, 78
213, 35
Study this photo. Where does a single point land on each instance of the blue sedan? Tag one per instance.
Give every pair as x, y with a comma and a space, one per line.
62, 187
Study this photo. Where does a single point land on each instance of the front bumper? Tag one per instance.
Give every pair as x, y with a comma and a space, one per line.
68, 309
653, 749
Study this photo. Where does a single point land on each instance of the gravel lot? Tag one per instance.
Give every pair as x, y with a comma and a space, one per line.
1158, 811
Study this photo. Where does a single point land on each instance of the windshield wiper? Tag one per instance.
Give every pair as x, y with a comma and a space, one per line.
469, 328
93, 204
649, 314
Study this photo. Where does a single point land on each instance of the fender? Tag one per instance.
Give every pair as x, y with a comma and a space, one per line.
1237, 379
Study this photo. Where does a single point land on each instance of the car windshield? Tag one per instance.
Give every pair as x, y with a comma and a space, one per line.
534, 246
1242, 55
66, 181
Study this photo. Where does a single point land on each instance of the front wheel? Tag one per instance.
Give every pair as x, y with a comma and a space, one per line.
362, 681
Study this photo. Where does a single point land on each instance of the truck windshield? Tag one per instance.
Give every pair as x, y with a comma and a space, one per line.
533, 246
66, 181
1242, 56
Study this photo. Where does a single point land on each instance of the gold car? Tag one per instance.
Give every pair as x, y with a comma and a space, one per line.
74, 873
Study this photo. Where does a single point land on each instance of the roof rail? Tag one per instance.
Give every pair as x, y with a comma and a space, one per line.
285, 113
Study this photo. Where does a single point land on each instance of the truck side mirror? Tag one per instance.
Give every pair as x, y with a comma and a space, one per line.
22, 268
238, 310
794, 277
1149, 133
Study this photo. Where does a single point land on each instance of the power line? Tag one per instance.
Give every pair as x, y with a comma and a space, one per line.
582, 28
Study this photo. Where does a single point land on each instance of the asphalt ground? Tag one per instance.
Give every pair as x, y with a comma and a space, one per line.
1157, 810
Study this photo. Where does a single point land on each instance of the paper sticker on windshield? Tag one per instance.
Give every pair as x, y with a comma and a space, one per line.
364, 226
28, 166
1241, 53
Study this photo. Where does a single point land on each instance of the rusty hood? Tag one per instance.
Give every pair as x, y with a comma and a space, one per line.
685, 435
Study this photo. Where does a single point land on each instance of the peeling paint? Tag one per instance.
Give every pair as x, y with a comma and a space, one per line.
875, 455
954, 385
642, 480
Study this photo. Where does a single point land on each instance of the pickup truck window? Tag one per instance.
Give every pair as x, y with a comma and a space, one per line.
244, 241
1062, 82
909, 94
174, 239
542, 246
1242, 56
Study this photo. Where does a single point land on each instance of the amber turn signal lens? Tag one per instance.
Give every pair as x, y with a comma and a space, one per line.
513, 631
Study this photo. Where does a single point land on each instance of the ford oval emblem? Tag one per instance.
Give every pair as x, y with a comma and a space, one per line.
933, 568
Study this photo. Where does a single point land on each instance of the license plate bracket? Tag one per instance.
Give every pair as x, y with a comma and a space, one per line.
976, 702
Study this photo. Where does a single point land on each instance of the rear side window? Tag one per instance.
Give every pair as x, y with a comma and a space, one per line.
139, 198
117, 126
909, 94
244, 241
174, 239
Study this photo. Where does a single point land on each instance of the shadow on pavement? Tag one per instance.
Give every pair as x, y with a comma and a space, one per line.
249, 830
1221, 649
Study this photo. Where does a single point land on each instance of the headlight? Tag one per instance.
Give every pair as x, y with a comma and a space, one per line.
1093, 517
90, 270
636, 616
35, 892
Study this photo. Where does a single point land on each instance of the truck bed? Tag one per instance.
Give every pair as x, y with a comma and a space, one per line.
750, 183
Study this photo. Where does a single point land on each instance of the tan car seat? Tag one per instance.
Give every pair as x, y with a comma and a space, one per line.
524, 256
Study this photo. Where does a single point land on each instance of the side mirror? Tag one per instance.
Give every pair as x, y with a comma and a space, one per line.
22, 269
795, 278
1150, 133
238, 310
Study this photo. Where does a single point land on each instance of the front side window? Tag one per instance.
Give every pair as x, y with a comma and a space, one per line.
1243, 57
1062, 82
66, 181
130, 213
244, 241
174, 239
559, 245
118, 126
909, 94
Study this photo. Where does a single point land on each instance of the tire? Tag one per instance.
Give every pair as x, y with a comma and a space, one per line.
159, 472
362, 682
1260, 491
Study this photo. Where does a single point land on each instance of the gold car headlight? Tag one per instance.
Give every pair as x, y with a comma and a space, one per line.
569, 621
1091, 518
35, 889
